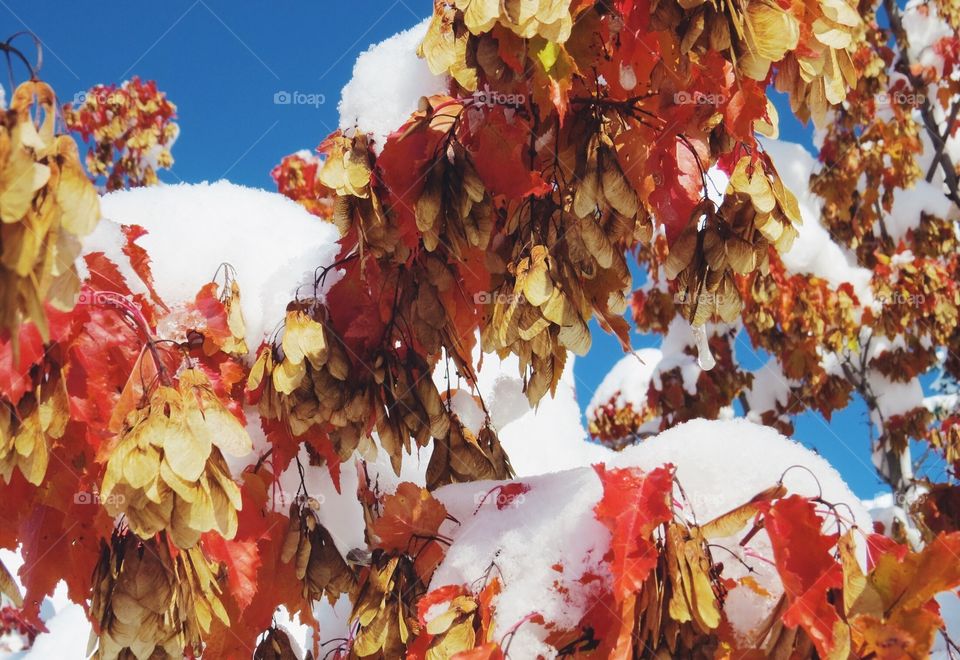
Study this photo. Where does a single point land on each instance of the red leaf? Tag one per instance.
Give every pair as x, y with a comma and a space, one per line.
15, 374
286, 446
746, 106
139, 259
440, 595
678, 190
499, 147
402, 167
664, 172
807, 568
242, 559
879, 545
489, 651
323, 445
510, 492
212, 322
59, 546
412, 512
634, 503
410, 521
104, 275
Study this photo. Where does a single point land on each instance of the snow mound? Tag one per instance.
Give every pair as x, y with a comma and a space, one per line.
388, 80
273, 244
628, 381
707, 453
555, 517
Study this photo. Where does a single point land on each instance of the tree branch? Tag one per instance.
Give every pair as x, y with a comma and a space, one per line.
941, 156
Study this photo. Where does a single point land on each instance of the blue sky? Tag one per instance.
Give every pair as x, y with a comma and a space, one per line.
222, 62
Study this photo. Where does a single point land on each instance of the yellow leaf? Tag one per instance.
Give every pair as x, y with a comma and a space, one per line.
479, 15
76, 196
753, 183
533, 276
303, 337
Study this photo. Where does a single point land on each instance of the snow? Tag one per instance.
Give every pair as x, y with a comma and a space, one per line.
66, 638
924, 27
813, 252
908, 205
523, 430
770, 389
552, 437
681, 335
554, 524
273, 244
66, 622
556, 518
628, 381
388, 81
895, 398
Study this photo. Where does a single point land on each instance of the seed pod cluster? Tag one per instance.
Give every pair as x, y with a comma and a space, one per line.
319, 565
757, 212
28, 430
455, 205
348, 172
385, 608
149, 602
308, 381
679, 605
813, 66
47, 204
462, 456
454, 29
167, 470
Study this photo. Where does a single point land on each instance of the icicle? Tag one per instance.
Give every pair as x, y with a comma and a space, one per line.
704, 356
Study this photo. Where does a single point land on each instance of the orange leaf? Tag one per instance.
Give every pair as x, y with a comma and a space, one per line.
139, 259
807, 569
242, 559
409, 514
489, 651
499, 147
634, 503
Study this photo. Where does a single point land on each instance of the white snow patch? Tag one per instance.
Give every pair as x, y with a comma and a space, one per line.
628, 381
272, 242
388, 81
813, 252
770, 388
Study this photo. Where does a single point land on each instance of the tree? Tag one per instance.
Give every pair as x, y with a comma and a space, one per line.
497, 219
887, 196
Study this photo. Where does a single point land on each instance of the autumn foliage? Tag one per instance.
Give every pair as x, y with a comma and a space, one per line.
500, 226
